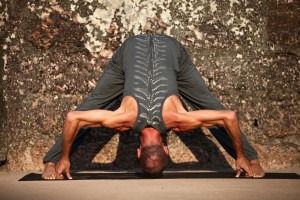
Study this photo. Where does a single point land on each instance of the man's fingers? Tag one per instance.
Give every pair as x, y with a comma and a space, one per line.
63, 167
58, 173
58, 170
249, 172
238, 173
58, 176
68, 174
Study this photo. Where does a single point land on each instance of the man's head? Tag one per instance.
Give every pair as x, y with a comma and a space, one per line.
152, 154
153, 159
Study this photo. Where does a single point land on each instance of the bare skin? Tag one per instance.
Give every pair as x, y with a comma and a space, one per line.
257, 169
49, 171
121, 120
178, 119
150, 136
174, 115
174, 104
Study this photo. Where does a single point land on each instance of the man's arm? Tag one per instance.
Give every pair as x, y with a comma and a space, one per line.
106, 93
206, 118
94, 118
192, 88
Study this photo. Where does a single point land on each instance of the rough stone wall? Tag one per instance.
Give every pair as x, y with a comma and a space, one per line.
53, 52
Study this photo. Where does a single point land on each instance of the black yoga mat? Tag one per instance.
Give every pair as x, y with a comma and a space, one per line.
166, 175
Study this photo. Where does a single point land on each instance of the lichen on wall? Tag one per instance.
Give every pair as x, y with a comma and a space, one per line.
54, 51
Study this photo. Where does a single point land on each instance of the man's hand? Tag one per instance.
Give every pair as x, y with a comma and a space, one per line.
243, 164
63, 166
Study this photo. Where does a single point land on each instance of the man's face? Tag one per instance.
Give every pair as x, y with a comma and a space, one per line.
150, 136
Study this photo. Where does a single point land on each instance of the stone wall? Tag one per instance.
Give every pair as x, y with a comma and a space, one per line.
53, 52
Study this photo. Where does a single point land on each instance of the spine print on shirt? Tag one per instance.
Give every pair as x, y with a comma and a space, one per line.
150, 82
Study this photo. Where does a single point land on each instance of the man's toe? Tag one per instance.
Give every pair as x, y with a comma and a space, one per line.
257, 176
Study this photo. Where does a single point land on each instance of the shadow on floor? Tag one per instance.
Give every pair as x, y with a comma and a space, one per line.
102, 148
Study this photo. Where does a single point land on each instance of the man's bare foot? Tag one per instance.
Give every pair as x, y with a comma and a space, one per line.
49, 171
257, 169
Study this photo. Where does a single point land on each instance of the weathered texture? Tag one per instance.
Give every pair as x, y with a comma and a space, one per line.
54, 51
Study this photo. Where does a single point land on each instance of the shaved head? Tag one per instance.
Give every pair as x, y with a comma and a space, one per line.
153, 159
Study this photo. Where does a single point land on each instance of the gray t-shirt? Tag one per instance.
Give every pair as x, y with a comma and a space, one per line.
150, 64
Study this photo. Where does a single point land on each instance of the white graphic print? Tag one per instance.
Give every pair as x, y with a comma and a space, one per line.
149, 77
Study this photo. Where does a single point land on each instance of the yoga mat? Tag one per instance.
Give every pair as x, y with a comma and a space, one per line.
168, 175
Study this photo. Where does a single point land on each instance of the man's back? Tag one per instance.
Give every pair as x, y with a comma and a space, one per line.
150, 64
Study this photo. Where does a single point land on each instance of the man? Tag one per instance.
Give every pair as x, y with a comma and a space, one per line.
157, 52
152, 151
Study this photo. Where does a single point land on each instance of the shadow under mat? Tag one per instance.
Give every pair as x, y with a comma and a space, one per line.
166, 175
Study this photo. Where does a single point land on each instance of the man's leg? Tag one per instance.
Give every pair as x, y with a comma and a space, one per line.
53, 155
192, 88
199, 97
109, 88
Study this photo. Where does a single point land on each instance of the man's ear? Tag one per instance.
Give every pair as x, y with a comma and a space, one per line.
138, 153
166, 150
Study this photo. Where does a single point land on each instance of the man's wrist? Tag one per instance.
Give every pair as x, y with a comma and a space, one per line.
65, 156
240, 154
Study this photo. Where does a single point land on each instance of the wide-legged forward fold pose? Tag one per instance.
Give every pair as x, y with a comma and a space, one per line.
151, 72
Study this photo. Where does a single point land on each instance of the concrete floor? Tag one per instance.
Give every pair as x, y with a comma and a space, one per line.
147, 189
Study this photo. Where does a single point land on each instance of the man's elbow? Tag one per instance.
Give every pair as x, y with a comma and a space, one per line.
231, 116
174, 121
71, 116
